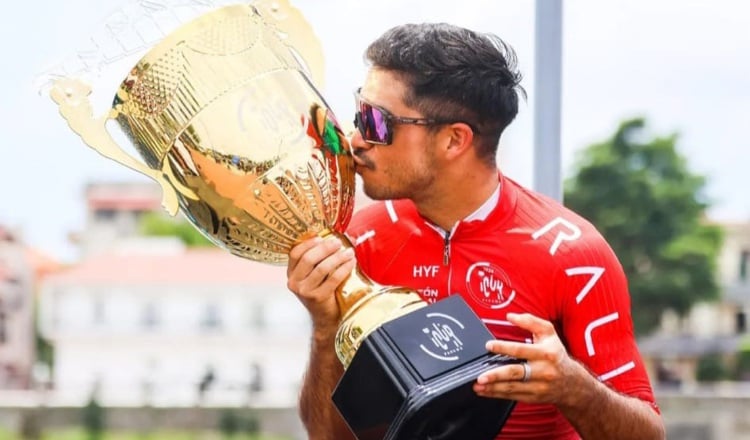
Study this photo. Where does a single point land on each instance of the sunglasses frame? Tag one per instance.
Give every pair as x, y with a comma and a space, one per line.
391, 120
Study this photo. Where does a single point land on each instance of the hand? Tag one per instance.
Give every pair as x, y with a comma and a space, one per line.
316, 267
554, 377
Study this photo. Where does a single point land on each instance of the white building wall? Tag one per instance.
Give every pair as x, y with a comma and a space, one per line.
102, 340
16, 315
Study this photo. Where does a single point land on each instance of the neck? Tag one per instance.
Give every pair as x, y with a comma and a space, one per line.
458, 195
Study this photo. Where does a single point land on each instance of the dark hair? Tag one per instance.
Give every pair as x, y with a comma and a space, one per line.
454, 74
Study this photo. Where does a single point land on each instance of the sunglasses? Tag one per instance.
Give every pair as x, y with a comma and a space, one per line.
375, 124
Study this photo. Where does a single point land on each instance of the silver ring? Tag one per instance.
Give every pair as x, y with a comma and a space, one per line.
526, 372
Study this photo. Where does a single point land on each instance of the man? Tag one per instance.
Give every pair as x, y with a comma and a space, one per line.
429, 116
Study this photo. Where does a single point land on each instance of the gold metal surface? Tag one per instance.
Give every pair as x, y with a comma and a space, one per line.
227, 121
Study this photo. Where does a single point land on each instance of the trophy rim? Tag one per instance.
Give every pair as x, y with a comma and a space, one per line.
184, 30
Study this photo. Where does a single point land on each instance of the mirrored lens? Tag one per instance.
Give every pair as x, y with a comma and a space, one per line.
373, 124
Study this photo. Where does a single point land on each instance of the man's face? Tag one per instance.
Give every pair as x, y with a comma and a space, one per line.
406, 168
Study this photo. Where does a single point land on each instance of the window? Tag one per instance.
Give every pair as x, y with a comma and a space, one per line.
150, 316
255, 384
99, 312
257, 319
744, 263
3, 330
211, 317
105, 214
740, 322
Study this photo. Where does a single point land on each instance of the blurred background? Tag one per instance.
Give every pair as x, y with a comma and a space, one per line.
116, 320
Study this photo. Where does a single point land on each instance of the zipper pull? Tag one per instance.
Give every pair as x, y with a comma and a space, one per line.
447, 248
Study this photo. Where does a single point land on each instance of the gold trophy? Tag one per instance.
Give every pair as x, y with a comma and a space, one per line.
225, 116
226, 119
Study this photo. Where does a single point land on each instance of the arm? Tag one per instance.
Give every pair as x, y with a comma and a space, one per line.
316, 268
595, 410
317, 411
626, 417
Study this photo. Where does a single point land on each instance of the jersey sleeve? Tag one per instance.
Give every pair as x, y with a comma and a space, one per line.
596, 322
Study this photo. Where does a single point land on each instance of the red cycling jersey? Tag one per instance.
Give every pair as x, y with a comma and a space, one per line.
528, 254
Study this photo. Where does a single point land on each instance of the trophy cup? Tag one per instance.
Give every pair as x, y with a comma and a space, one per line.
225, 117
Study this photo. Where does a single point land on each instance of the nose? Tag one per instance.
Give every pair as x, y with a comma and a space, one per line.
357, 142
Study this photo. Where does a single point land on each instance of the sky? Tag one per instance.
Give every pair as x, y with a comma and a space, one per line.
684, 65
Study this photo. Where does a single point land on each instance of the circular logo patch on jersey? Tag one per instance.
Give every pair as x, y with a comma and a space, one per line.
489, 285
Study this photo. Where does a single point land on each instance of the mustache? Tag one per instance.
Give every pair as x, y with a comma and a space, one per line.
367, 163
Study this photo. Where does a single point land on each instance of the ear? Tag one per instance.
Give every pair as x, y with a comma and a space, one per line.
460, 139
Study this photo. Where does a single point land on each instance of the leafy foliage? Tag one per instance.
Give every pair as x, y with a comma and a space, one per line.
157, 224
641, 196
94, 419
742, 365
711, 368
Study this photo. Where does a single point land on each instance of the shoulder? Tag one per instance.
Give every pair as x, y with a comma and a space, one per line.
559, 232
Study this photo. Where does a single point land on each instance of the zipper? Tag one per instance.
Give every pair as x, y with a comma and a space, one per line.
447, 248
447, 257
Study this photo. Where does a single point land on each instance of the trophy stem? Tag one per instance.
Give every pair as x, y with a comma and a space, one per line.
366, 305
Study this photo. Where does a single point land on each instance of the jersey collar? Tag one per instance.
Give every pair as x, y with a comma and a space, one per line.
480, 215
487, 207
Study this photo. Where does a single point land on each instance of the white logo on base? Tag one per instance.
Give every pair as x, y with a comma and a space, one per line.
443, 338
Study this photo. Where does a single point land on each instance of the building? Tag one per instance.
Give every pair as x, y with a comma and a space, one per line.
711, 329
113, 214
17, 345
735, 269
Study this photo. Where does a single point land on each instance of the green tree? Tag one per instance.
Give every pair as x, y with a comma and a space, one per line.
641, 196
711, 368
742, 362
94, 419
157, 224
229, 423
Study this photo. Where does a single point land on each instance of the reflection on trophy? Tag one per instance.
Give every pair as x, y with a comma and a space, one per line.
226, 118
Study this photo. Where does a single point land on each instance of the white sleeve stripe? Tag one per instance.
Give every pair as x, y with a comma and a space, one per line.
617, 371
391, 211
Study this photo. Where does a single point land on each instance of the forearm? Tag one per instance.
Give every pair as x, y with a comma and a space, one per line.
321, 419
598, 412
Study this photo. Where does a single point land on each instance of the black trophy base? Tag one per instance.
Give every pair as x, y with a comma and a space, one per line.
412, 378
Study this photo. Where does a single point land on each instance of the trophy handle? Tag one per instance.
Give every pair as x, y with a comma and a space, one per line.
71, 97
296, 32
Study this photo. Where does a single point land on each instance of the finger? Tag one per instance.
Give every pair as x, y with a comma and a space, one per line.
539, 327
511, 372
511, 390
519, 350
299, 250
340, 274
328, 273
314, 256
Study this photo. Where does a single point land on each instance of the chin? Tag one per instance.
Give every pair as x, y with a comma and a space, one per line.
385, 194
375, 192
